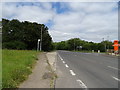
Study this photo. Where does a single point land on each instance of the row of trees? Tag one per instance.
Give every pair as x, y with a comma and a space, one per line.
24, 35
0, 34
78, 44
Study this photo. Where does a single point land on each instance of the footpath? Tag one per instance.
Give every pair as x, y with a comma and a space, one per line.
43, 74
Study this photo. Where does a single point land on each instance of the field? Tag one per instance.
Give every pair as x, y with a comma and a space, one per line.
16, 66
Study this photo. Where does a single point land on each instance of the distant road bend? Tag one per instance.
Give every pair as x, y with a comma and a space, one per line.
86, 70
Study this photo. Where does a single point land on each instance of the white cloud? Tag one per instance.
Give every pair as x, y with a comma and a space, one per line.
60, 0
29, 13
88, 21
0, 11
92, 7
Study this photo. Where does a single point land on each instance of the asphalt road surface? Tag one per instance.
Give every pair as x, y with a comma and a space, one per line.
86, 70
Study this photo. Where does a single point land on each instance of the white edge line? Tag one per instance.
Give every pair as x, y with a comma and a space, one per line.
60, 57
81, 84
116, 78
66, 65
71, 71
63, 61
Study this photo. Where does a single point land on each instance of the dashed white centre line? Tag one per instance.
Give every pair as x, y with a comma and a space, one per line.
116, 78
66, 65
71, 71
113, 67
81, 84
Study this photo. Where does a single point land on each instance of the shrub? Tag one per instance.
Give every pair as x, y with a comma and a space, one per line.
14, 45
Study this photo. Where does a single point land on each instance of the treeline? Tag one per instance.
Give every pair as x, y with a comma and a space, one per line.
0, 34
24, 35
78, 44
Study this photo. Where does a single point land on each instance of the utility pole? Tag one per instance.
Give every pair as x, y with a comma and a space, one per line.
102, 39
41, 40
74, 44
38, 46
104, 44
108, 42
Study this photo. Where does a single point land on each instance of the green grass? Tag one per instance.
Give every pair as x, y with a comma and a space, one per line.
16, 66
0, 68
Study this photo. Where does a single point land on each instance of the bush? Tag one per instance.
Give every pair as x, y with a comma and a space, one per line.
14, 45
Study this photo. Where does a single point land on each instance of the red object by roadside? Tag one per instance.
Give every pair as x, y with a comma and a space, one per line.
116, 45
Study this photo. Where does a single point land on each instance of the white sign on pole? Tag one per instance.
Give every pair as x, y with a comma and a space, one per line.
38, 40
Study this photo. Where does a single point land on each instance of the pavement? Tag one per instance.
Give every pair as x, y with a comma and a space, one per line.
86, 70
41, 75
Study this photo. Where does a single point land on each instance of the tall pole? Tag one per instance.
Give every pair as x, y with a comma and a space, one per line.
74, 44
108, 42
104, 44
105, 47
41, 40
38, 46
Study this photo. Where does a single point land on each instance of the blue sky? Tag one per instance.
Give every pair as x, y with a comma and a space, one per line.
85, 20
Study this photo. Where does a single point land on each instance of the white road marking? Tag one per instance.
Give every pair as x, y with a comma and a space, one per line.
60, 57
66, 65
116, 78
81, 84
71, 71
63, 61
113, 67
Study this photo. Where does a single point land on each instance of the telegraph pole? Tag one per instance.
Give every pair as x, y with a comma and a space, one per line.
108, 42
38, 46
41, 40
74, 44
104, 44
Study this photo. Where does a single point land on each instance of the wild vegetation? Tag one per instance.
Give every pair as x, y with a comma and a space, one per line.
16, 66
0, 69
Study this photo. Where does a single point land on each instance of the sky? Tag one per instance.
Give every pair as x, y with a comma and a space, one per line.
90, 21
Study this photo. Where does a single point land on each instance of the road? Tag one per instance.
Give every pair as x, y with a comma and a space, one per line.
86, 70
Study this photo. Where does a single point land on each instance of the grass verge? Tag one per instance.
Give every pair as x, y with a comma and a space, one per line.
16, 66
0, 68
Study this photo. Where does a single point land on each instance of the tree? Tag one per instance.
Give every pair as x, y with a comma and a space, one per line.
74, 43
26, 33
